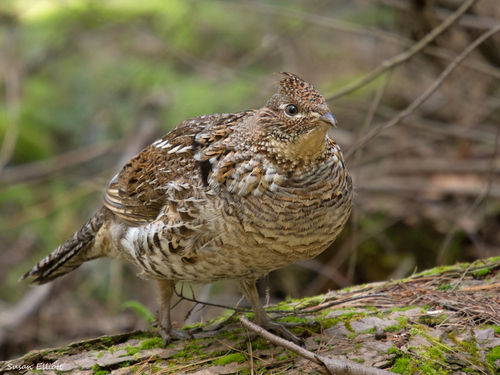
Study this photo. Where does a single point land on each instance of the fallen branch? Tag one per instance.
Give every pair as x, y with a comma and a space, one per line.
333, 366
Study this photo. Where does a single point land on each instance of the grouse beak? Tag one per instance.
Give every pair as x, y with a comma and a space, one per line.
328, 119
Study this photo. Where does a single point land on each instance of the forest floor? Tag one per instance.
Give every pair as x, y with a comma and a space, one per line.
442, 321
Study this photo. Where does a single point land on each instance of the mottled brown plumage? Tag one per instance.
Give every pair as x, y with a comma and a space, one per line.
224, 196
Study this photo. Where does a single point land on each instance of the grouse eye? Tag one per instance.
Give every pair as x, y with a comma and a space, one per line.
291, 110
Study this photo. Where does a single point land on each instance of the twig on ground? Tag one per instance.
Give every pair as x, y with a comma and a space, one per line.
334, 366
182, 297
339, 302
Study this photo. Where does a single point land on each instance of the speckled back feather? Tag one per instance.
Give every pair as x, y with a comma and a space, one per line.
226, 195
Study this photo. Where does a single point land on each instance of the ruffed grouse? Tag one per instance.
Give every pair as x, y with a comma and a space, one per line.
224, 196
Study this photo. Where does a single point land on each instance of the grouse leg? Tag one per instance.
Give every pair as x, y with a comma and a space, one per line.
167, 333
249, 289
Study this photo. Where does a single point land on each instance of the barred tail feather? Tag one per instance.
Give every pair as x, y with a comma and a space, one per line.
70, 255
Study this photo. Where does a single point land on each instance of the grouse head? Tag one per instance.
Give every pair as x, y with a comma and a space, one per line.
295, 121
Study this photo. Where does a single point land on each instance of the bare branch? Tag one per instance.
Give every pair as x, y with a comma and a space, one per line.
402, 57
451, 234
422, 98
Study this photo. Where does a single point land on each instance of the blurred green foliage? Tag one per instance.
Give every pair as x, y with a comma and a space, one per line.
88, 69
79, 77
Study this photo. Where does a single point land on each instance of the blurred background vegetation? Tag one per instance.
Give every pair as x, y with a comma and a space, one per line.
86, 84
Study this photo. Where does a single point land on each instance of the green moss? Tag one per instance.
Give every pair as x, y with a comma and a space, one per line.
445, 287
424, 309
293, 319
309, 301
435, 271
98, 370
372, 330
391, 329
126, 364
193, 346
431, 321
470, 346
155, 342
282, 358
189, 351
284, 306
410, 365
348, 326
346, 318
493, 355
359, 360
403, 321
395, 309
483, 272
99, 355
106, 340
401, 365
232, 335
394, 350
451, 336
327, 323
259, 344
235, 357
132, 350
181, 354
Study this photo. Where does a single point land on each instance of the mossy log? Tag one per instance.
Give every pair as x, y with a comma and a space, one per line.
441, 321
